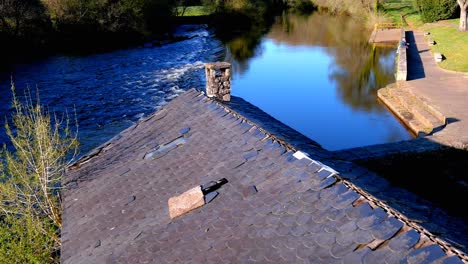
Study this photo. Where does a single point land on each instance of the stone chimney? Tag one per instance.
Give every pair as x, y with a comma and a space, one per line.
218, 80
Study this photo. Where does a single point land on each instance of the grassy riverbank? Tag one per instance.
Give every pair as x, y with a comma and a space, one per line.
450, 42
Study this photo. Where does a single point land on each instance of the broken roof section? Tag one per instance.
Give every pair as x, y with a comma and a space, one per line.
277, 207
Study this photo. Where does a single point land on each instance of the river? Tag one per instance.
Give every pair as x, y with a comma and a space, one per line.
316, 74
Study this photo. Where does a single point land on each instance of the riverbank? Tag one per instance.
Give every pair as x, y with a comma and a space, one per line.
449, 41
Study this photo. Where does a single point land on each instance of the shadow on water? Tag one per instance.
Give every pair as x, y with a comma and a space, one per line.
415, 65
272, 125
435, 184
426, 186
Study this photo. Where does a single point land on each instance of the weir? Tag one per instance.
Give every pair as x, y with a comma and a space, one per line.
279, 203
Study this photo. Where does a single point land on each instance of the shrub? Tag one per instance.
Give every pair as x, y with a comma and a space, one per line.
30, 183
433, 10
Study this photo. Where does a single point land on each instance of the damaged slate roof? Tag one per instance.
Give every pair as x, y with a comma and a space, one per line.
276, 207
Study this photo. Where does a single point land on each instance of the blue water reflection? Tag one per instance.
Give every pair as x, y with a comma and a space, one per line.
321, 88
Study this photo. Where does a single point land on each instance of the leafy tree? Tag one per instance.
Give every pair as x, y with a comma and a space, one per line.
18, 16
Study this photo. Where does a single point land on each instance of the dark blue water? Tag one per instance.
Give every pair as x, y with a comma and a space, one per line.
305, 72
110, 91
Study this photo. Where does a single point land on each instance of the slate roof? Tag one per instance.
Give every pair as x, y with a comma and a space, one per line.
275, 208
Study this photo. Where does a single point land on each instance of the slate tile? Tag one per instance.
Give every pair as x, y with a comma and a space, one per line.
303, 218
378, 256
283, 230
299, 231
386, 229
345, 199
325, 239
404, 241
288, 255
348, 227
368, 222
293, 208
273, 257
334, 215
452, 260
355, 257
362, 237
295, 218
427, 254
338, 250
303, 253
288, 220
323, 174
345, 239
327, 183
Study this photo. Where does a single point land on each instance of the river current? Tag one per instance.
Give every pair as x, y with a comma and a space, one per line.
110, 91
316, 74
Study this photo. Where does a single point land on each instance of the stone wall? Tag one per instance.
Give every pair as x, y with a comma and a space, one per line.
402, 63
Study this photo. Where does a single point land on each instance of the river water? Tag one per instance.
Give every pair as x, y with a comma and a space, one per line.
316, 74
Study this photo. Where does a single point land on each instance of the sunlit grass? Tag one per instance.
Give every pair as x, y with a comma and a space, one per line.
394, 9
195, 11
452, 44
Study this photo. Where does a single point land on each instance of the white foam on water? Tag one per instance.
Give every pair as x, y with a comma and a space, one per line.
176, 73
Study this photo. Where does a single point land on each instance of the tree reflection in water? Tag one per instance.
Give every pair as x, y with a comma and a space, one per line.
359, 68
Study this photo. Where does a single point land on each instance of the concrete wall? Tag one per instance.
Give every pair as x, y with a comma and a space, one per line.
402, 62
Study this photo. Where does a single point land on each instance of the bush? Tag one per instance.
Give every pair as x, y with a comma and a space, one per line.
30, 184
27, 239
434, 10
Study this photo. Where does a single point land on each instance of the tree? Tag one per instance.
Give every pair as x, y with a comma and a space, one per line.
30, 184
16, 15
463, 14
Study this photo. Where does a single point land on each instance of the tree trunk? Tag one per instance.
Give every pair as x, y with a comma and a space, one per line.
463, 19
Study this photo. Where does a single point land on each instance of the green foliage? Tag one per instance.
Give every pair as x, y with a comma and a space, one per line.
27, 240
434, 10
30, 183
22, 17
304, 6
194, 11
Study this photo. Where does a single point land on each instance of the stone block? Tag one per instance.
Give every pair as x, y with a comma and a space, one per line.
186, 202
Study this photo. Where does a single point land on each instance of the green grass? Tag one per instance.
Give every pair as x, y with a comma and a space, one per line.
395, 8
195, 11
452, 44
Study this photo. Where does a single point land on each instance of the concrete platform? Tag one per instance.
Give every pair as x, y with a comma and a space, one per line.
385, 36
439, 91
